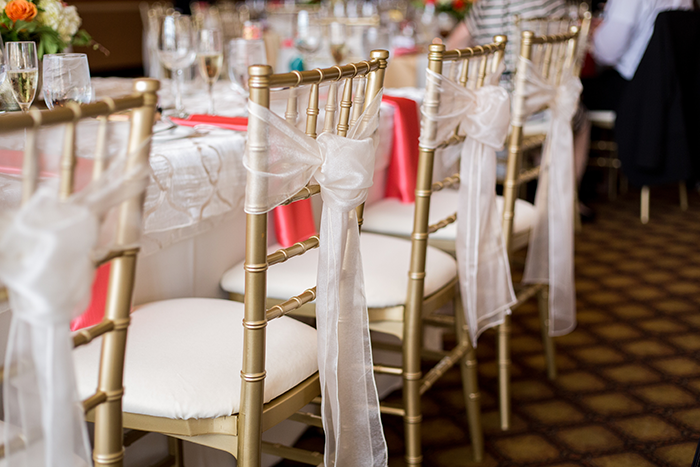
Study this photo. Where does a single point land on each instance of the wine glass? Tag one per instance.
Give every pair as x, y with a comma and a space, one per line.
242, 54
66, 78
176, 50
308, 36
210, 54
337, 36
23, 71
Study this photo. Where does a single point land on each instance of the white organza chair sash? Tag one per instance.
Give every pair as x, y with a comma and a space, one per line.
46, 262
484, 272
550, 257
344, 168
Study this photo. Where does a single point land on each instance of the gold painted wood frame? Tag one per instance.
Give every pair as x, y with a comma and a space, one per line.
105, 404
556, 54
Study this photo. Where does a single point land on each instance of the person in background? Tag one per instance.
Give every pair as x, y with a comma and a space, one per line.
488, 18
619, 42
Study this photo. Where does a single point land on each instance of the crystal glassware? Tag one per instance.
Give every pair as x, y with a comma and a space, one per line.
23, 71
66, 78
242, 54
176, 50
210, 54
2, 61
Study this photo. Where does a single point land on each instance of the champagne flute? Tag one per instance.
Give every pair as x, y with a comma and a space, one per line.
210, 53
176, 50
66, 78
23, 71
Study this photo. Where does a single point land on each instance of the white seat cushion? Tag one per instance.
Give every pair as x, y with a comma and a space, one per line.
392, 217
604, 117
183, 359
385, 265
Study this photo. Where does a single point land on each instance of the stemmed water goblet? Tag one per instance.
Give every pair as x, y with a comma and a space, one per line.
308, 36
176, 50
66, 78
242, 54
210, 54
22, 71
2, 61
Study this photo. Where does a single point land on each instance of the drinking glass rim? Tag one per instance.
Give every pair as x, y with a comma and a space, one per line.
66, 55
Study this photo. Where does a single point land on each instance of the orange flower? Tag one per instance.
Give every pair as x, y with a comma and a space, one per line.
20, 10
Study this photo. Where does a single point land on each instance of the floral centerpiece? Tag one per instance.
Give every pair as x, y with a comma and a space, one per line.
457, 9
52, 24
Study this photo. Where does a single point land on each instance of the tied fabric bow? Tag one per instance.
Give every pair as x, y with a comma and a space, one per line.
46, 264
550, 256
344, 168
484, 115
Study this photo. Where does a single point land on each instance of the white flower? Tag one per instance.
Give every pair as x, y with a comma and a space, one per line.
63, 19
3, 3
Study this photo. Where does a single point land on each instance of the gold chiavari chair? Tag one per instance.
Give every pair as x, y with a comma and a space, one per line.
192, 371
555, 59
397, 305
105, 404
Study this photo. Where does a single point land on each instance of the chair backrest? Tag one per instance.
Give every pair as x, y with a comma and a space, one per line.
366, 79
107, 399
556, 56
469, 68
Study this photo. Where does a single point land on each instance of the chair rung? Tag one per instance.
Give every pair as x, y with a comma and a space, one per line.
293, 454
532, 142
443, 223
456, 139
307, 192
114, 254
440, 320
528, 175
299, 248
388, 370
292, 304
392, 410
308, 419
443, 365
527, 293
85, 336
446, 182
606, 162
94, 400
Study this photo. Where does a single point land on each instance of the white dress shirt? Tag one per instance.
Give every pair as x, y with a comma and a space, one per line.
622, 38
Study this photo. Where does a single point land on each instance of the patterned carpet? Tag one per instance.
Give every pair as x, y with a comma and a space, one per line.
629, 376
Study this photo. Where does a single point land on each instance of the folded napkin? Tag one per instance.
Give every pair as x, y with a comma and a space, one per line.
228, 123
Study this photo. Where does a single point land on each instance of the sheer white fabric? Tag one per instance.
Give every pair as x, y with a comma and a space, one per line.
46, 263
550, 256
344, 168
483, 115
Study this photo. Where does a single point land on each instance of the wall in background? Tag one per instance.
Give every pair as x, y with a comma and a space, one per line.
116, 24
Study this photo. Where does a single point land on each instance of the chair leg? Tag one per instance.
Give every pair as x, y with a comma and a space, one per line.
547, 341
175, 449
504, 372
644, 215
683, 194
411, 389
612, 183
470, 386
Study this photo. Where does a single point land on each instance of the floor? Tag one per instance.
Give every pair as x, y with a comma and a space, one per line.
629, 376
